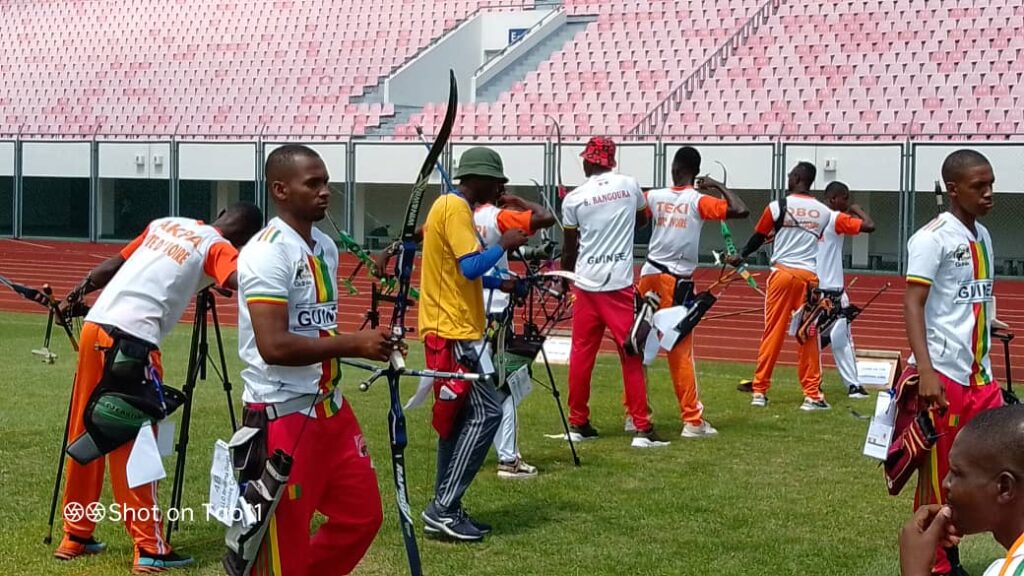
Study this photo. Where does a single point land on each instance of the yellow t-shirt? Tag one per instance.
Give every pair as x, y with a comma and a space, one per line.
450, 305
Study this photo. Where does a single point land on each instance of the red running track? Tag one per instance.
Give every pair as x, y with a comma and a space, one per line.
734, 339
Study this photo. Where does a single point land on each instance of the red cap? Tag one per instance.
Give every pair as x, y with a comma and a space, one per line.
600, 151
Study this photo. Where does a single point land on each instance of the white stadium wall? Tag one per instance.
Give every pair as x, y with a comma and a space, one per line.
135, 160
56, 159
6, 158
1007, 162
523, 162
749, 166
374, 178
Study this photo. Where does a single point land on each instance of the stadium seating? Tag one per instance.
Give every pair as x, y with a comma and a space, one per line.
870, 67
606, 79
208, 67
291, 67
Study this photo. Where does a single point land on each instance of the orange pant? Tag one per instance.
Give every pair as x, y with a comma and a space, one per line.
84, 483
787, 292
680, 358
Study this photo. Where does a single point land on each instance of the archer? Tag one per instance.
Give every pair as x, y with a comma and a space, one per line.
451, 323
679, 214
290, 345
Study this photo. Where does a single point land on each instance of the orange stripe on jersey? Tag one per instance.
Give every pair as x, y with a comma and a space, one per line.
132, 246
711, 208
221, 262
514, 220
848, 225
767, 222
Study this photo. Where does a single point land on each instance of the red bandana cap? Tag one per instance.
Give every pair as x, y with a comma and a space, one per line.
600, 151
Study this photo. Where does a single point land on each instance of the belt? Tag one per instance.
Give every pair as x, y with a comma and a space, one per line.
298, 404
665, 270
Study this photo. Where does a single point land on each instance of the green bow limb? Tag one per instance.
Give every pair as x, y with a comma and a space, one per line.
730, 249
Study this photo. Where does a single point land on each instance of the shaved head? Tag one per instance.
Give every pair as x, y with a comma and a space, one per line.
958, 163
996, 438
985, 482
281, 162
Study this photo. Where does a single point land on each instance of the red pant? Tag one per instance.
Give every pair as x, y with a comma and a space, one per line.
592, 313
332, 473
965, 402
449, 395
83, 484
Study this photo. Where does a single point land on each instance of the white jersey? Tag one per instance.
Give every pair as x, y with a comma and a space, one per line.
278, 267
604, 211
796, 243
164, 267
830, 257
677, 216
1011, 565
485, 218
957, 265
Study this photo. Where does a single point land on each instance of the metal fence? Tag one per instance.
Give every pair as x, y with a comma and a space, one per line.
86, 206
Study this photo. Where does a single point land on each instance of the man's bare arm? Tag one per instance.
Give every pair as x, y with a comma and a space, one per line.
277, 345
914, 299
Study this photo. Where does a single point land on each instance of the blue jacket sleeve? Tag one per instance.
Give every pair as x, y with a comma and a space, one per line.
475, 265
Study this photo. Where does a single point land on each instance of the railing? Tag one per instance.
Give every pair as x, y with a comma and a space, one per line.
491, 62
654, 121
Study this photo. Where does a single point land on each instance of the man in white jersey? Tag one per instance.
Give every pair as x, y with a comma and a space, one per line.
146, 288
948, 310
494, 217
797, 222
289, 343
985, 488
600, 219
831, 281
678, 214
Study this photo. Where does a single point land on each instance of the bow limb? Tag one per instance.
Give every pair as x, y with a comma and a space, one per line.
730, 249
558, 154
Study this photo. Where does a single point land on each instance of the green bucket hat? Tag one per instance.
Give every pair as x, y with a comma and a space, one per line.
481, 161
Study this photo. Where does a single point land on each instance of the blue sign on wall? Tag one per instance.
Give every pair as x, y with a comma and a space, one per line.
515, 34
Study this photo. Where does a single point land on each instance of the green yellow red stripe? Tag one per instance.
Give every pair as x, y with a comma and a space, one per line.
330, 376
980, 336
266, 299
321, 279
914, 279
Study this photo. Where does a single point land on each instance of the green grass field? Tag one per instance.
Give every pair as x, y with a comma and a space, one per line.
778, 492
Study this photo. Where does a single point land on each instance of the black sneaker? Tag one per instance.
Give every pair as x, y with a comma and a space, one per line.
746, 386
147, 563
483, 527
584, 432
648, 439
857, 392
455, 526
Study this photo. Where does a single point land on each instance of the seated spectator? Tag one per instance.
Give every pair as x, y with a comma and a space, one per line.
986, 494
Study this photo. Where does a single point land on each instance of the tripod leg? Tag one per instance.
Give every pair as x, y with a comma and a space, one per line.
60, 474
223, 364
1006, 355
195, 361
561, 411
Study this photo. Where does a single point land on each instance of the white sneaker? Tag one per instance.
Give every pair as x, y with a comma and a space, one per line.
629, 427
702, 430
758, 400
517, 469
812, 405
649, 439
